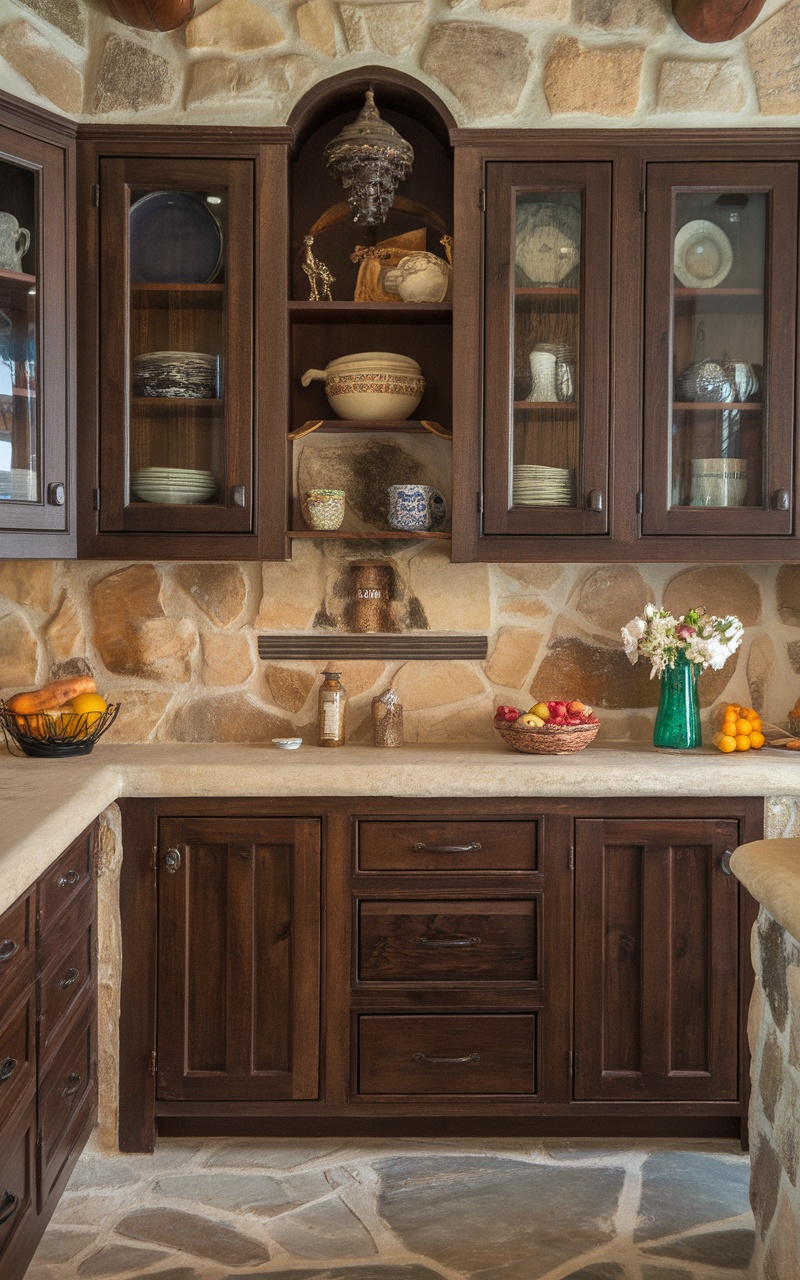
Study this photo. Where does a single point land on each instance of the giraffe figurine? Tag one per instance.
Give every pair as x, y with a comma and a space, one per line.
318, 274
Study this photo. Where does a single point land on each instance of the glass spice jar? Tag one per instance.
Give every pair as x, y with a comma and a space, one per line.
332, 702
387, 720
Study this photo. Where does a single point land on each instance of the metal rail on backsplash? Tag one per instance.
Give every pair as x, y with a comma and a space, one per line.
332, 644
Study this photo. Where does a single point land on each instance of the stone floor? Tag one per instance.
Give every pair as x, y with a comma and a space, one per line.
404, 1210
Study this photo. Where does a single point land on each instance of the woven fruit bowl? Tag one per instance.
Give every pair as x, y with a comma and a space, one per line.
558, 740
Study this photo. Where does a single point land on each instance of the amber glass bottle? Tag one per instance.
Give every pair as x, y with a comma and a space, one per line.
332, 702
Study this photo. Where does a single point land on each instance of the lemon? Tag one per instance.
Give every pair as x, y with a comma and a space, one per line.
87, 709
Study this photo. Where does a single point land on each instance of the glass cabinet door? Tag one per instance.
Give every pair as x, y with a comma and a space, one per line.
548, 231
720, 356
33, 323
176, 450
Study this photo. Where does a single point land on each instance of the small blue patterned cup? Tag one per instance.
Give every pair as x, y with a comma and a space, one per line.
414, 508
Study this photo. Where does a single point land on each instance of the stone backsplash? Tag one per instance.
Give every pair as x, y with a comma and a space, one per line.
523, 62
175, 644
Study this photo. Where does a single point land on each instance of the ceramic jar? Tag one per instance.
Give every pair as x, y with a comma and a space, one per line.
420, 277
323, 509
370, 386
416, 508
14, 243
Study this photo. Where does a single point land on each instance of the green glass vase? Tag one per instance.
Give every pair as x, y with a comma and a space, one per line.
678, 718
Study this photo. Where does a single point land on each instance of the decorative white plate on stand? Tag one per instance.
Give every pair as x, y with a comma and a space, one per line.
702, 255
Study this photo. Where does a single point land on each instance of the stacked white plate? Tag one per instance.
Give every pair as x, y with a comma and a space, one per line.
535, 486
18, 485
173, 485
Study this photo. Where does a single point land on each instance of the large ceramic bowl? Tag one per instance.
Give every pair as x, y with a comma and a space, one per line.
371, 386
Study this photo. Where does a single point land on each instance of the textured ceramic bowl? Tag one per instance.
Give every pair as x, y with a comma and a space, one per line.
555, 741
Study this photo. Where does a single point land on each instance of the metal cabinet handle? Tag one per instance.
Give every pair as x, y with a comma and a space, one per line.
780, 499
446, 1062
57, 494
447, 848
448, 942
725, 862
71, 878
72, 977
7, 1069
239, 495
594, 499
73, 1084
7, 1206
172, 861
7, 949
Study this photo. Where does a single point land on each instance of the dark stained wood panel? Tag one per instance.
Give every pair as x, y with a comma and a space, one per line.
447, 1054
461, 845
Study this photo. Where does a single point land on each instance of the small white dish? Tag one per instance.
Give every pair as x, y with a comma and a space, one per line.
703, 254
287, 744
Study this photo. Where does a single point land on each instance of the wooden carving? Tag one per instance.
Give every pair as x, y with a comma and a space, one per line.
152, 15
713, 21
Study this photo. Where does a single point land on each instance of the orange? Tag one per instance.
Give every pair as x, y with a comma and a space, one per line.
755, 723
748, 713
87, 709
743, 726
742, 742
732, 710
756, 740
726, 743
729, 727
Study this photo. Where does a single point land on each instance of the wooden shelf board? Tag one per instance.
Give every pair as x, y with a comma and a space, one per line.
545, 291
175, 402
719, 406
348, 425
365, 536
371, 312
532, 406
23, 394
17, 277
141, 287
682, 291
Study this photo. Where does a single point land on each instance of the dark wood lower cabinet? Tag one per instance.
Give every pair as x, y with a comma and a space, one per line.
396, 967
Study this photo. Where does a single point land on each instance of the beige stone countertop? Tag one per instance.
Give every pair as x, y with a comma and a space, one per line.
44, 804
770, 871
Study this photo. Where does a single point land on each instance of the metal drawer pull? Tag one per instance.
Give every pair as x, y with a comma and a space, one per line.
72, 877
446, 1062
72, 977
8, 948
7, 1069
73, 1084
172, 860
7, 1206
448, 942
725, 862
447, 848
781, 500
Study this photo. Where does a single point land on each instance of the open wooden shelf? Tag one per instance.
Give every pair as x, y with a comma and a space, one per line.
371, 312
350, 425
370, 535
17, 277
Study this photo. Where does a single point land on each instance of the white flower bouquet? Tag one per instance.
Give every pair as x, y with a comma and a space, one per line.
706, 641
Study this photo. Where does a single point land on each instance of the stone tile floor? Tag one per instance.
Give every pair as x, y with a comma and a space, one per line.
404, 1210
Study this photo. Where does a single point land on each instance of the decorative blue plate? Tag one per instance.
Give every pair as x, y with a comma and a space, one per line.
174, 239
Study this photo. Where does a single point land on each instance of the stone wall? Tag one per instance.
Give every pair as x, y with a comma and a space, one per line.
521, 62
175, 644
774, 1030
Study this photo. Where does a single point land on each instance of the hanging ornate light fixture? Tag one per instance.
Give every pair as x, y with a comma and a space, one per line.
370, 159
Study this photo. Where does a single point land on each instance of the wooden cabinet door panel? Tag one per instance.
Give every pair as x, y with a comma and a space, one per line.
238, 964
656, 960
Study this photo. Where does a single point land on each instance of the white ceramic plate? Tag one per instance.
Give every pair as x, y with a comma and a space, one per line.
702, 255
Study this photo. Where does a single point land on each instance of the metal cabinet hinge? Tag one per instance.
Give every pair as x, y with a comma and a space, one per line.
639, 503
38, 1137
571, 858
95, 195
482, 199
642, 201
155, 857
95, 499
479, 502
571, 1063
153, 1062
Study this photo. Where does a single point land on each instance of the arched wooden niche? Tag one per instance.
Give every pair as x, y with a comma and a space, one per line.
416, 112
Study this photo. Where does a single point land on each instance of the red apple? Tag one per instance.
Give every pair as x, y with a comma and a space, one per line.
507, 714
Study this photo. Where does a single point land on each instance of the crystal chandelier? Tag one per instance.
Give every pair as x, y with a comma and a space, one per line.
369, 158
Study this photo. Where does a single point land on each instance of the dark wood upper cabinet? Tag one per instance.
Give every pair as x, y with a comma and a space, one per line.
656, 960
548, 282
721, 294
176, 358
239, 956
37, 498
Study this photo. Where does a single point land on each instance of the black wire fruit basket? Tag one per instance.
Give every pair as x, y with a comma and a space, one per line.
55, 734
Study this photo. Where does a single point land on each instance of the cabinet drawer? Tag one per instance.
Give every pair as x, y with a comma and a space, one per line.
62, 987
16, 949
17, 1146
67, 1096
447, 1053
17, 1063
60, 886
448, 846
447, 941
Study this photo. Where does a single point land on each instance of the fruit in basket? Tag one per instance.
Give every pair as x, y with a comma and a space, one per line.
507, 715
51, 696
563, 712
740, 730
529, 721
541, 710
